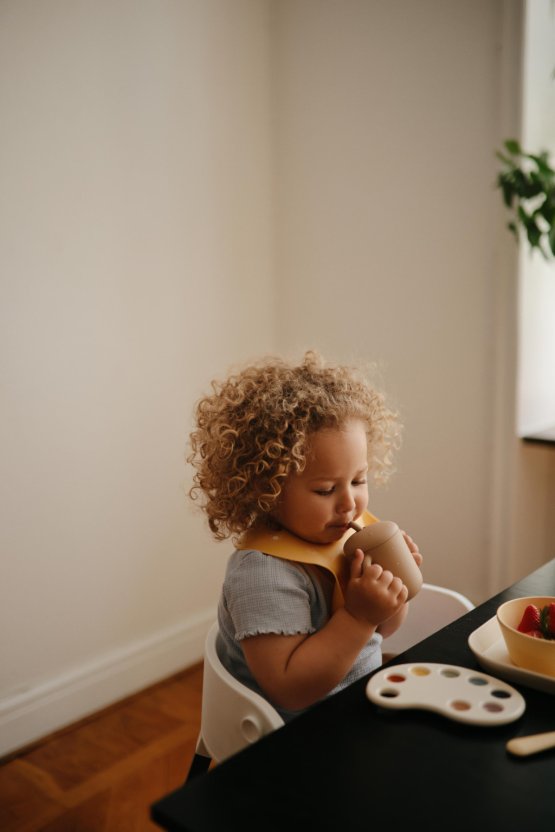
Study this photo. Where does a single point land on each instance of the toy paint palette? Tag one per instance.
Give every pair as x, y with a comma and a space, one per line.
455, 692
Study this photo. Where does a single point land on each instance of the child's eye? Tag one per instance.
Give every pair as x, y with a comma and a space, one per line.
324, 492
360, 482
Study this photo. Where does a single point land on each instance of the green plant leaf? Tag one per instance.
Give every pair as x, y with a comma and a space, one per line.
503, 158
544, 167
534, 234
507, 194
527, 184
513, 147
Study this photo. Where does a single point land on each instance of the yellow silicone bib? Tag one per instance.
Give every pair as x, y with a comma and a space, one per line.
283, 544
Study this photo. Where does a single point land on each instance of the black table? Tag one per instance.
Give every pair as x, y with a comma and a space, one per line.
349, 765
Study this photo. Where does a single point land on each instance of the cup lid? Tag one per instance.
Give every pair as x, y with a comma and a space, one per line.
371, 536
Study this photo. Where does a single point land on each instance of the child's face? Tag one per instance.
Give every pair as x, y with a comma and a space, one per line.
319, 503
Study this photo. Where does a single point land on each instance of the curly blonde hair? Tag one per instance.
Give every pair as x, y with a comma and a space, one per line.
252, 432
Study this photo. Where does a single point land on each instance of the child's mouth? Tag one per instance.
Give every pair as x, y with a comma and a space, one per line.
340, 527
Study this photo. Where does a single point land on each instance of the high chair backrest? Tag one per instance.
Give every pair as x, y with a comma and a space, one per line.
233, 715
431, 609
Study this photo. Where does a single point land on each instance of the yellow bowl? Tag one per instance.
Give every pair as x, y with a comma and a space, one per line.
531, 653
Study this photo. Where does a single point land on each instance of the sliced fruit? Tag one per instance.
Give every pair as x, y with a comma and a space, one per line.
530, 619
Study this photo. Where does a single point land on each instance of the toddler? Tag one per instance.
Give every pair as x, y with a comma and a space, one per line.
282, 454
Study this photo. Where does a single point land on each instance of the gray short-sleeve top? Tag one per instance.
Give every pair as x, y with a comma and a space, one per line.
266, 594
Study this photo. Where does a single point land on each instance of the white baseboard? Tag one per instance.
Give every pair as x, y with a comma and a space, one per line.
70, 696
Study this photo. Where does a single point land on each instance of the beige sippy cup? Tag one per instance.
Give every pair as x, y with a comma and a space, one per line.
384, 543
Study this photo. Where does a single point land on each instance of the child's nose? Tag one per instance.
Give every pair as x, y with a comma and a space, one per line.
346, 501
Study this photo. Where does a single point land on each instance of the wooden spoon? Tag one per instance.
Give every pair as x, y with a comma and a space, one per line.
522, 746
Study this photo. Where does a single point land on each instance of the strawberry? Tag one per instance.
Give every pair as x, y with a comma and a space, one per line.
534, 633
530, 619
547, 620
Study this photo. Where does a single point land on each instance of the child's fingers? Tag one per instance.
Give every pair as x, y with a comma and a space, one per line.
357, 559
414, 549
397, 587
410, 542
374, 572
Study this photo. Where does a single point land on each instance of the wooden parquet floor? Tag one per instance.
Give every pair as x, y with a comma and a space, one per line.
103, 773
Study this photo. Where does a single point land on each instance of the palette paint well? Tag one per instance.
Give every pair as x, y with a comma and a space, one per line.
455, 692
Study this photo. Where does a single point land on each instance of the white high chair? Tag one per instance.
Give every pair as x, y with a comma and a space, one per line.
431, 609
233, 716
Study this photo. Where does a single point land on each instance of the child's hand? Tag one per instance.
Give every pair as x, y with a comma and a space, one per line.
414, 549
372, 594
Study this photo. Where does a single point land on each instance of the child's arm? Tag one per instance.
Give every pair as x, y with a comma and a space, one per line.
392, 624
296, 671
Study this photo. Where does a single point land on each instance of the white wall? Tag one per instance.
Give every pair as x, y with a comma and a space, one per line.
136, 238
189, 183
390, 117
